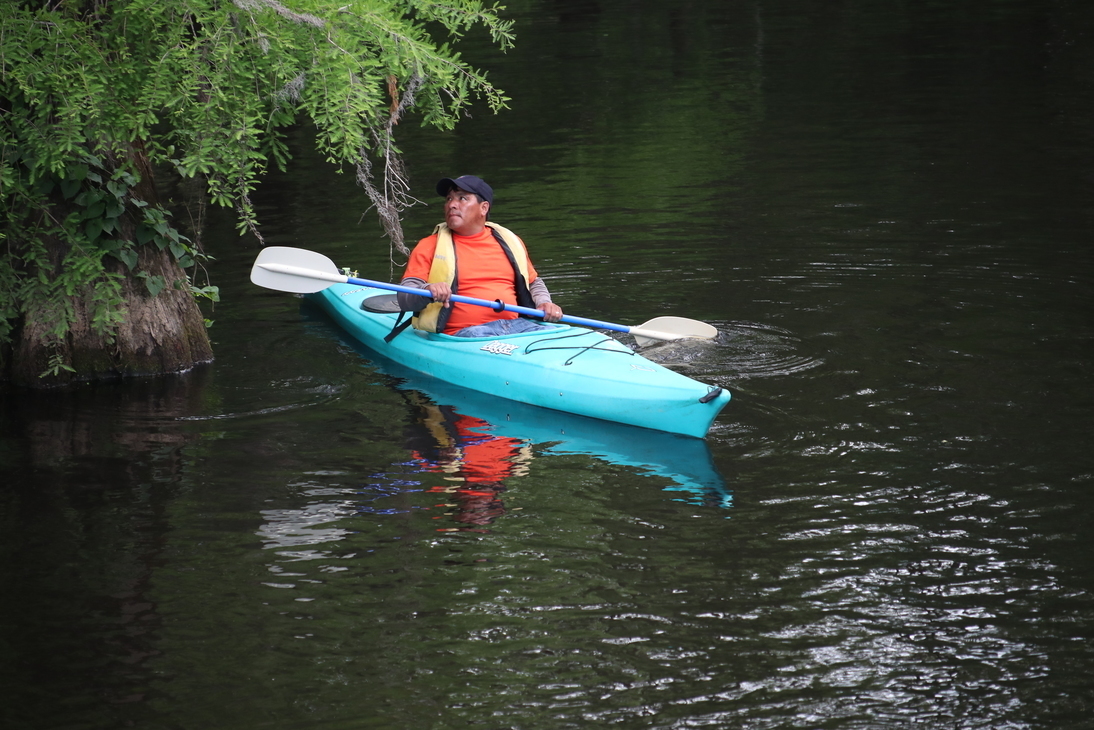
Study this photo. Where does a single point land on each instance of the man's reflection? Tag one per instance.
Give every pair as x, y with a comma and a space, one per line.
476, 462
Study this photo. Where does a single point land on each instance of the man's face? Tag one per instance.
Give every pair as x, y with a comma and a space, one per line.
464, 213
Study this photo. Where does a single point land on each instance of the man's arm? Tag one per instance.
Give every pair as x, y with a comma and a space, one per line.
540, 293
440, 292
542, 297
412, 302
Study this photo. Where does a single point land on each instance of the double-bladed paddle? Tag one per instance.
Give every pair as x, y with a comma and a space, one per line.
301, 271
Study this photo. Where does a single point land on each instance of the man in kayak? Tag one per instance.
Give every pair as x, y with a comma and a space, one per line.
478, 258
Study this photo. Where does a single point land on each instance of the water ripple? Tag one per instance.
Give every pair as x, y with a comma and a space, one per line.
743, 349
751, 350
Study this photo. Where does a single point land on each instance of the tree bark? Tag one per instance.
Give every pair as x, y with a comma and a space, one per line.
161, 334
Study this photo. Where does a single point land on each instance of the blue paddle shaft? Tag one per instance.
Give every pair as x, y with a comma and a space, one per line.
497, 306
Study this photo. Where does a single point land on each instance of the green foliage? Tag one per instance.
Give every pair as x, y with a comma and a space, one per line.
94, 94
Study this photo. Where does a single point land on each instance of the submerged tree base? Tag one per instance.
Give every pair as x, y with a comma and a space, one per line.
160, 334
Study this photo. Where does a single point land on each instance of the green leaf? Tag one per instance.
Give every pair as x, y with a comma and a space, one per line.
212, 293
154, 284
70, 187
95, 210
144, 234
127, 256
93, 228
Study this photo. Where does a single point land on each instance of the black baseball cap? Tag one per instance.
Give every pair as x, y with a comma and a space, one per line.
470, 183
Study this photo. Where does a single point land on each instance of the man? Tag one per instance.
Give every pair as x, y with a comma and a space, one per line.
469, 255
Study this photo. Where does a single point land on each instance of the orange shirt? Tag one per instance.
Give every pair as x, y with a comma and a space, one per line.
482, 271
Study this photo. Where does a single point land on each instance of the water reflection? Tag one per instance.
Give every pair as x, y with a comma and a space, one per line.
475, 462
88, 474
297, 528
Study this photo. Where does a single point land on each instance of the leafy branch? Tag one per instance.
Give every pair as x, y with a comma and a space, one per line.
94, 96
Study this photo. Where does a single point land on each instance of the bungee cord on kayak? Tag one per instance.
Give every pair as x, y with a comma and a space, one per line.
582, 349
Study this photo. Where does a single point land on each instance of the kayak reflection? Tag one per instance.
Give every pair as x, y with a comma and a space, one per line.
481, 440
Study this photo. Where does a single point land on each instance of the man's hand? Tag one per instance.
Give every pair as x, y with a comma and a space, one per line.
441, 292
551, 312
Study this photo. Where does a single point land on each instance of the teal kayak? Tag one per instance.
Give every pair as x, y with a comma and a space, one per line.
571, 369
685, 462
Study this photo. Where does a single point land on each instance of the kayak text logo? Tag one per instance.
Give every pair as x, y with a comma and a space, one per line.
499, 348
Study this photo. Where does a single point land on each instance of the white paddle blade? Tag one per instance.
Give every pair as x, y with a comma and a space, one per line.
660, 329
295, 270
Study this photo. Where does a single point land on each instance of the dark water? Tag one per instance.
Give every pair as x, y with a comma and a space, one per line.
885, 208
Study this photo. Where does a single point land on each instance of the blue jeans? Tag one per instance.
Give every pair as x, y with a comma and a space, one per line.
501, 327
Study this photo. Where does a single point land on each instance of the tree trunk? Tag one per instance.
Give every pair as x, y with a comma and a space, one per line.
161, 334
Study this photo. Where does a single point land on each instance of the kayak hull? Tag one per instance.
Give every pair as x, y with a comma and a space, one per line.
566, 368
